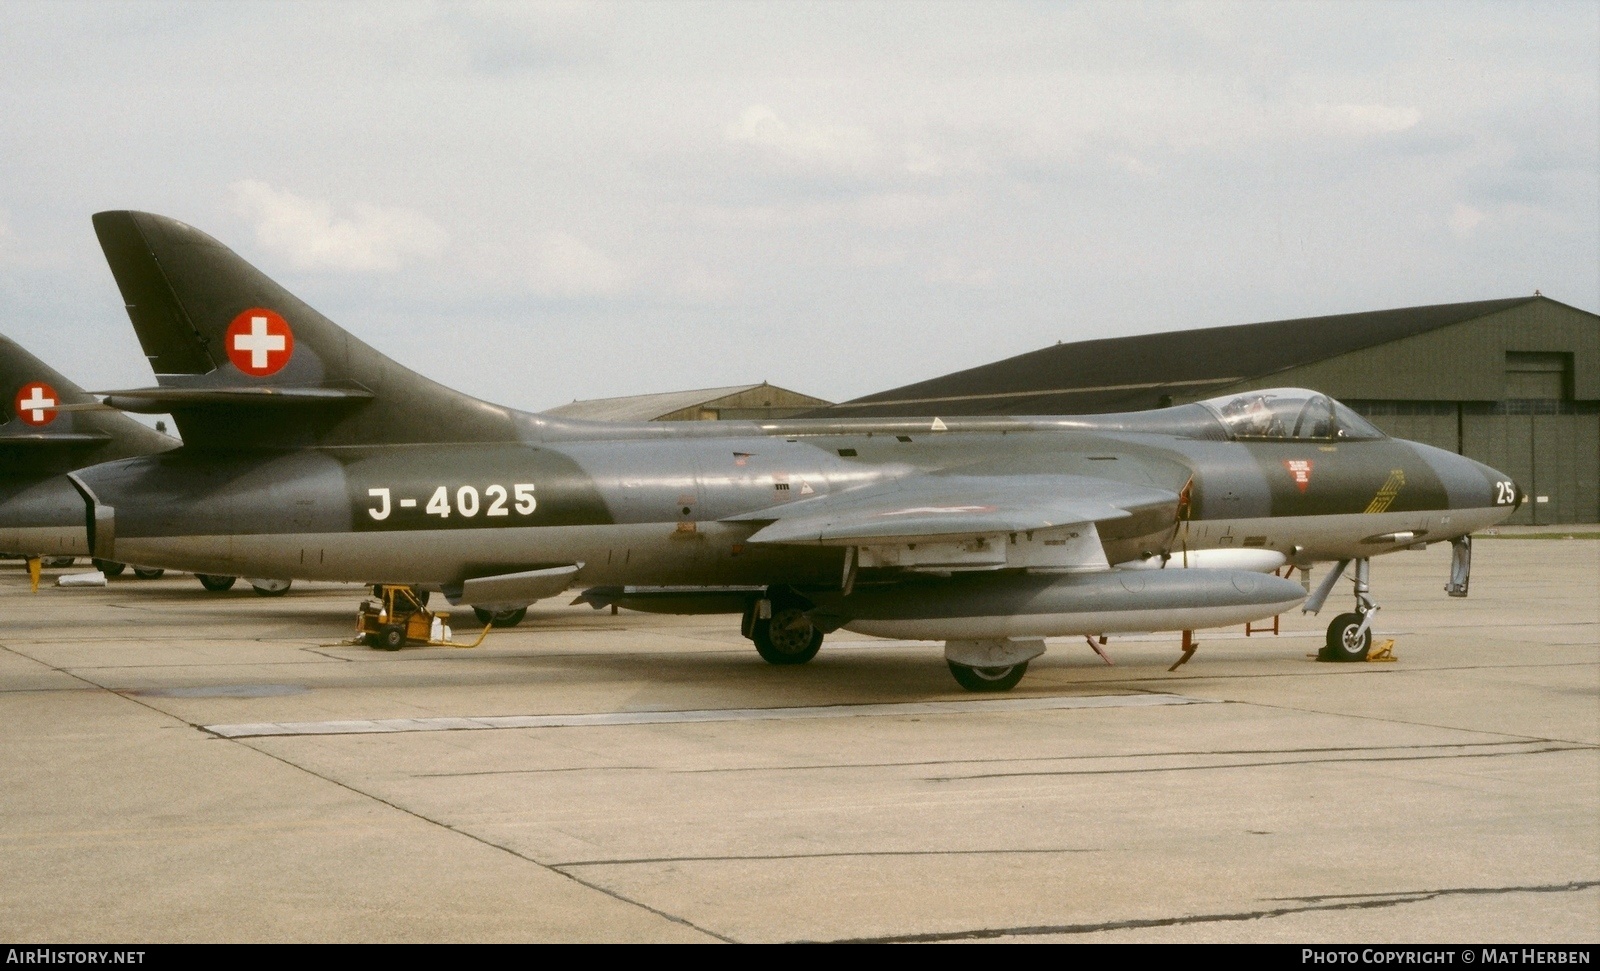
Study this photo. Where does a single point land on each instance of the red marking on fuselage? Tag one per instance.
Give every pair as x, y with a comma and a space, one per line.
1299, 471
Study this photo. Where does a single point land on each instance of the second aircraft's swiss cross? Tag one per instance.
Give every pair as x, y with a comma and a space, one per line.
36, 403
1300, 471
259, 342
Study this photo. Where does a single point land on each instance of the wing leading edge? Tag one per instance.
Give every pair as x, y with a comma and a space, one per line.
966, 522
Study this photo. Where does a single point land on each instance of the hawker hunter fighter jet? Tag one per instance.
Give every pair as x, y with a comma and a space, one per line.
309, 454
48, 426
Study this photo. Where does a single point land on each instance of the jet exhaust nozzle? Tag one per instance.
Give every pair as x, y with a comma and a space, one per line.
47, 518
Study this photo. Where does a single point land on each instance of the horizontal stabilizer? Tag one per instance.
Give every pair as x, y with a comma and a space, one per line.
38, 439
161, 400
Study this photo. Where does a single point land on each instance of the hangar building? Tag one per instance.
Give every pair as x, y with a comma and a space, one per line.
1512, 383
748, 402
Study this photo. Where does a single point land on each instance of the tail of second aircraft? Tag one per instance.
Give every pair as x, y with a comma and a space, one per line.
241, 362
49, 425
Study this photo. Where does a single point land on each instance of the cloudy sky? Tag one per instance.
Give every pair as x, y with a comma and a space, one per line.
542, 202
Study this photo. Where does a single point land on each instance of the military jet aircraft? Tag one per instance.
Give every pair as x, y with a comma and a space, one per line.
309, 454
48, 426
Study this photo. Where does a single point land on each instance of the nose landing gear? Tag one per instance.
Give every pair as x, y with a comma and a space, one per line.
1350, 634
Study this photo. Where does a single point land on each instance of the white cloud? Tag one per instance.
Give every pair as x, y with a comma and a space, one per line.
1367, 119
960, 274
1464, 219
826, 147
1134, 165
875, 257
565, 266
309, 236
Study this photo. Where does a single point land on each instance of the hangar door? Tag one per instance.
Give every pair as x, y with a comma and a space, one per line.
1542, 438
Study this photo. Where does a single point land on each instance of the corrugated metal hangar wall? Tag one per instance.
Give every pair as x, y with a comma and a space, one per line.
1518, 389
1512, 383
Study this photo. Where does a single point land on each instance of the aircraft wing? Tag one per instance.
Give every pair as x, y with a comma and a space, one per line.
953, 507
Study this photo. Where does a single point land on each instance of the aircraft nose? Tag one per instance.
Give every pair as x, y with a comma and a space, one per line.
1504, 492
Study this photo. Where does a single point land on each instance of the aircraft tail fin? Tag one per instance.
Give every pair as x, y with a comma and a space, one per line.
241, 362
49, 425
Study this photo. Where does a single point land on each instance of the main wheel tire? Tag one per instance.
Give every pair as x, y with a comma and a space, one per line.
59, 561
148, 573
500, 618
214, 583
789, 637
988, 679
392, 638
271, 588
111, 568
1343, 643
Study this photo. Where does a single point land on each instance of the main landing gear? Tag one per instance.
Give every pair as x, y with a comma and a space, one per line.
112, 568
988, 679
782, 632
991, 665
1350, 634
503, 617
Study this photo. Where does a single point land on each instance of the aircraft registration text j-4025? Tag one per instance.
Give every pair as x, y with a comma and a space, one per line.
495, 500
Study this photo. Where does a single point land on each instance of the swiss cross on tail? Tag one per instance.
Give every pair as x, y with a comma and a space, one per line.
259, 342
36, 403
1300, 471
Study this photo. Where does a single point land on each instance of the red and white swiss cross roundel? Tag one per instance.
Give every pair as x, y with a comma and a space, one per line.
36, 403
259, 342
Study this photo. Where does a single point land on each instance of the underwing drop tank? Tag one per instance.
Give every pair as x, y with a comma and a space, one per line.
998, 606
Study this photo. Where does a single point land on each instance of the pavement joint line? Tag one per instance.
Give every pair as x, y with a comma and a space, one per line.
1375, 901
1416, 724
416, 815
843, 854
1040, 773
595, 719
847, 766
485, 841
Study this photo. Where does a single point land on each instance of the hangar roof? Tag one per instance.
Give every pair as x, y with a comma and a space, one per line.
761, 400
1133, 373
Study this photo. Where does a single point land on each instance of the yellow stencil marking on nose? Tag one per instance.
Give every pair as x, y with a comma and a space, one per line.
1391, 488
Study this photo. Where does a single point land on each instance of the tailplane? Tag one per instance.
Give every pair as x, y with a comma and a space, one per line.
241, 362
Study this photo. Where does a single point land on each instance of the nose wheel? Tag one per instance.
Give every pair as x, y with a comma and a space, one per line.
1350, 634
1349, 639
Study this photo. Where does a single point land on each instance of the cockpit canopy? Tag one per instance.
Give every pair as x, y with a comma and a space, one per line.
1289, 415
